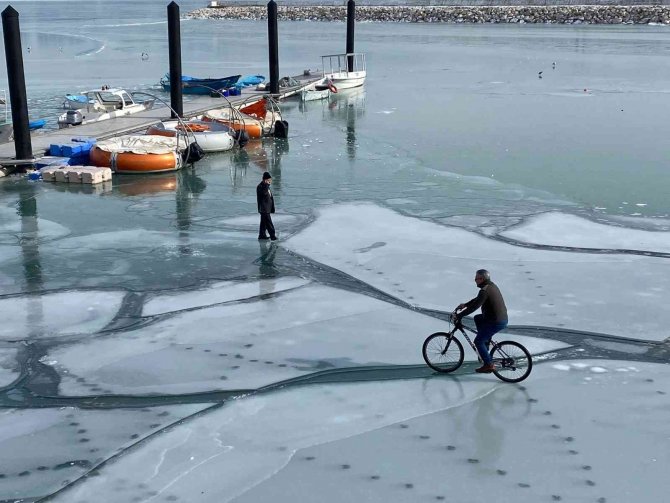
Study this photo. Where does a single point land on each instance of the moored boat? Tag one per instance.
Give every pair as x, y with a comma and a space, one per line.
194, 85
139, 153
211, 136
257, 119
319, 91
101, 104
345, 70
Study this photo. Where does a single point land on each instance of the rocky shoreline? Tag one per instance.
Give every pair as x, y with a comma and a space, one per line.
560, 14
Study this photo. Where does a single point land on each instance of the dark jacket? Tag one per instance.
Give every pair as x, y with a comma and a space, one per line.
491, 301
264, 198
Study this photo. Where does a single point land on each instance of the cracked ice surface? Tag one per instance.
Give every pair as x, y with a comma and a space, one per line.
282, 220
43, 449
15, 228
456, 438
228, 451
217, 293
560, 229
433, 266
251, 344
57, 314
8, 366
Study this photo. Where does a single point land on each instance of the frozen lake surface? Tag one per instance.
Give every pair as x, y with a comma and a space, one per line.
151, 349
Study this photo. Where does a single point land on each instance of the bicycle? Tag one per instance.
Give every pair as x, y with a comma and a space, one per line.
443, 352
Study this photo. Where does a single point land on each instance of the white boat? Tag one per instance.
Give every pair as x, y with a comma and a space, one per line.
211, 136
344, 70
319, 91
98, 105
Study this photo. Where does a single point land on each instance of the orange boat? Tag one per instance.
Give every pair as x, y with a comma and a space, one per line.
139, 154
255, 119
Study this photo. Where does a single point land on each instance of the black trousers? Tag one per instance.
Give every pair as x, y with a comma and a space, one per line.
266, 225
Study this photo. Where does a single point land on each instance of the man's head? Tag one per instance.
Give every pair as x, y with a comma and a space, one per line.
267, 178
482, 276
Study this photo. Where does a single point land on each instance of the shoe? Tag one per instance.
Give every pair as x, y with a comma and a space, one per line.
262, 238
274, 238
485, 369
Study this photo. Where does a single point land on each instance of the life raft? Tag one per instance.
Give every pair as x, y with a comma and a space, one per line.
255, 119
211, 136
139, 154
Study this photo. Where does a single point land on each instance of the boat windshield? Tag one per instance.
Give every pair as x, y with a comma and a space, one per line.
127, 99
109, 98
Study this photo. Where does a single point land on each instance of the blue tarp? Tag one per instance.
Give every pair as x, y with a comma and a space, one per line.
249, 80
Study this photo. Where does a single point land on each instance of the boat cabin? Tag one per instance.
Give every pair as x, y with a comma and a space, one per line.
343, 63
100, 100
345, 70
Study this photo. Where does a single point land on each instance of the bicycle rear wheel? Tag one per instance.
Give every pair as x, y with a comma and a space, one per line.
512, 361
443, 352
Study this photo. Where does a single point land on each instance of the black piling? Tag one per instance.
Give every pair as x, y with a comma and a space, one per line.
17, 83
273, 44
351, 19
174, 41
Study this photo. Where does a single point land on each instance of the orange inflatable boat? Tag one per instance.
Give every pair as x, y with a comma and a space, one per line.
139, 154
255, 119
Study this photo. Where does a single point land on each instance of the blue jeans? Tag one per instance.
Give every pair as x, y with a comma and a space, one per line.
485, 331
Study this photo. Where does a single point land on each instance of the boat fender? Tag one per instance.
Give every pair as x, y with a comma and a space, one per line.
332, 87
281, 129
193, 153
241, 137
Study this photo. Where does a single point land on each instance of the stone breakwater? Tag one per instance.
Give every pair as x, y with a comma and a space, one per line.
564, 14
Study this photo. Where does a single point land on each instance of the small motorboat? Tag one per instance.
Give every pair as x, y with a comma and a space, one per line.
257, 119
194, 85
211, 136
101, 104
139, 153
345, 70
319, 91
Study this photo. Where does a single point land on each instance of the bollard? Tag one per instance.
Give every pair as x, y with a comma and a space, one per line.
174, 43
17, 83
273, 44
351, 19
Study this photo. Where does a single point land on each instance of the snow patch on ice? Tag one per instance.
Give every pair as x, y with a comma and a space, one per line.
9, 371
217, 293
37, 316
430, 265
560, 229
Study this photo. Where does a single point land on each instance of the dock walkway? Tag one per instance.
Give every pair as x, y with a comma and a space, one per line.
192, 106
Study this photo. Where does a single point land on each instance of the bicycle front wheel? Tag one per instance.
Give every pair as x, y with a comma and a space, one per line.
443, 352
512, 361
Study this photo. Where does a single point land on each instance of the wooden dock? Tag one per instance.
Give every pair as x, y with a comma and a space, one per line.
139, 122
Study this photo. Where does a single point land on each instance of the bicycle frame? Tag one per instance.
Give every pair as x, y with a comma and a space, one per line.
462, 328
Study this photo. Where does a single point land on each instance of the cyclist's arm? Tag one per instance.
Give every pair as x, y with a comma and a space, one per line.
474, 304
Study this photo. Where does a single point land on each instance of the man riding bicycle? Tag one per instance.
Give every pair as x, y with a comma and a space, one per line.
492, 320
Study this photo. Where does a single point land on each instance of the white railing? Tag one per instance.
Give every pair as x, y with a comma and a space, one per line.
340, 63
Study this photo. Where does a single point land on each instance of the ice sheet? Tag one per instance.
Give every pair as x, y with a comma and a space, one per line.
228, 451
218, 292
252, 221
552, 442
252, 344
433, 266
418, 440
41, 450
37, 316
560, 229
9, 370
